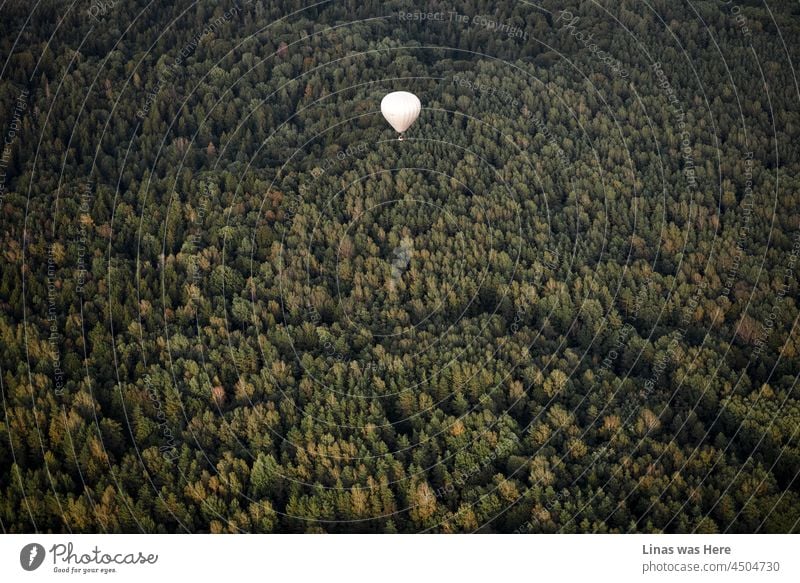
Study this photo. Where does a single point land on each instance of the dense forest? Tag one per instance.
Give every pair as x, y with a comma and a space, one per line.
232, 301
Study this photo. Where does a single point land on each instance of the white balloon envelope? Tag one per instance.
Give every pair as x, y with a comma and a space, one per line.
401, 109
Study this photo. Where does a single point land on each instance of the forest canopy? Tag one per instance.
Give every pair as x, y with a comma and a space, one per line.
232, 301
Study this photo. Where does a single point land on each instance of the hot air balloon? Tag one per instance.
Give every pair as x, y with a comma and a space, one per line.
401, 109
